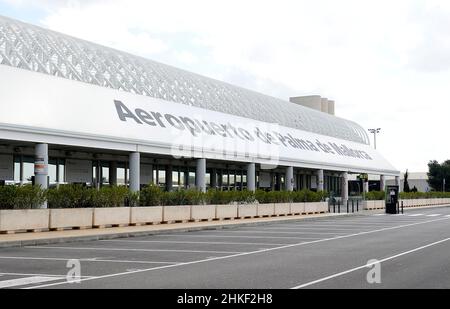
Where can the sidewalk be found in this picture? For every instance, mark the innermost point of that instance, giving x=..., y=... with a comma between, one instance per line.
x=44, y=238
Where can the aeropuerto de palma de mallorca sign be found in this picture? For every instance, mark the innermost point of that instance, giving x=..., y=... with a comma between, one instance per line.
x=60, y=111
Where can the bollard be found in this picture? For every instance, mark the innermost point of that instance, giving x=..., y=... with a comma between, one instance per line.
x=353, y=206
x=402, y=209
x=334, y=207
x=347, y=205
x=357, y=206
x=339, y=207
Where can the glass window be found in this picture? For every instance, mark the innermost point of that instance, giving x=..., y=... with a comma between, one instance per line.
x=175, y=179
x=182, y=180
x=17, y=170
x=105, y=175
x=121, y=176
x=191, y=180
x=28, y=172
x=162, y=178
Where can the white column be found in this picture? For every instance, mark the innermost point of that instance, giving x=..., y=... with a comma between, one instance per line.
x=344, y=188
x=366, y=187
x=41, y=168
x=289, y=179
x=251, y=177
x=200, y=181
x=382, y=183
x=135, y=172
x=320, y=180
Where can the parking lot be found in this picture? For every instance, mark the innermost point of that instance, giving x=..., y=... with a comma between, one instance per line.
x=414, y=251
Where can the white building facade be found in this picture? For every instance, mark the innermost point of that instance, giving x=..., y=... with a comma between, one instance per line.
x=72, y=111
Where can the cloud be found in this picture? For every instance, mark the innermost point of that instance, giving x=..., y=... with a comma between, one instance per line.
x=386, y=63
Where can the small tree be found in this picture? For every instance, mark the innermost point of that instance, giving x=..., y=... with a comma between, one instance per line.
x=406, y=183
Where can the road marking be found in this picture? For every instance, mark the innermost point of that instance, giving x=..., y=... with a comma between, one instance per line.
x=39, y=275
x=81, y=260
x=197, y=242
x=368, y=265
x=416, y=215
x=270, y=232
x=247, y=253
x=447, y=216
x=379, y=215
x=311, y=228
x=434, y=215
x=132, y=249
x=25, y=281
x=237, y=236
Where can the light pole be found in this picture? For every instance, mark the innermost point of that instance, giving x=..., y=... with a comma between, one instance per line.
x=375, y=132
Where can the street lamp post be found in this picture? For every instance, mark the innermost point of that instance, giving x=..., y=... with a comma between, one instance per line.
x=375, y=132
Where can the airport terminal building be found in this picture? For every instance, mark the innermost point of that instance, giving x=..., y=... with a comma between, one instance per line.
x=72, y=111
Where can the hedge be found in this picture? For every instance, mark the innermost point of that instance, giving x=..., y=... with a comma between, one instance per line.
x=76, y=196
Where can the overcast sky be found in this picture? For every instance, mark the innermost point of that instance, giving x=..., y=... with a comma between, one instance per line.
x=385, y=63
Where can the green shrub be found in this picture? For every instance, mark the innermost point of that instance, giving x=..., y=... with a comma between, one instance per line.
x=23, y=197
x=70, y=196
x=375, y=196
x=109, y=197
x=151, y=195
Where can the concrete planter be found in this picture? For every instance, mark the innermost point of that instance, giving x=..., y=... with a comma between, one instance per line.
x=282, y=209
x=203, y=213
x=71, y=218
x=119, y=216
x=247, y=211
x=226, y=212
x=369, y=205
x=317, y=207
x=266, y=210
x=27, y=219
x=146, y=215
x=297, y=208
x=176, y=214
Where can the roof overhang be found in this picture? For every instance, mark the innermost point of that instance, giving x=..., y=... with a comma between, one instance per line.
x=40, y=108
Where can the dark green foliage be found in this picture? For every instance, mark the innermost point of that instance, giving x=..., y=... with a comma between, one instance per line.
x=437, y=173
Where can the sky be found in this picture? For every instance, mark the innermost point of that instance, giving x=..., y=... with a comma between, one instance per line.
x=385, y=63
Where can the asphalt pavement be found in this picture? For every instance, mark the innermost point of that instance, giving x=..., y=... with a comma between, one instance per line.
x=405, y=251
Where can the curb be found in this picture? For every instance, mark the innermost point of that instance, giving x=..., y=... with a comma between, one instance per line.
x=75, y=239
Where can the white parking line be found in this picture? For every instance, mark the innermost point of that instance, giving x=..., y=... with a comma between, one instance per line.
x=248, y=253
x=81, y=260
x=238, y=236
x=311, y=228
x=197, y=242
x=25, y=281
x=274, y=232
x=434, y=215
x=39, y=275
x=132, y=249
x=368, y=265
x=416, y=215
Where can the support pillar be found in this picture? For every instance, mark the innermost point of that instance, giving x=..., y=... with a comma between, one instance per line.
x=200, y=176
x=320, y=180
x=135, y=172
x=289, y=179
x=344, y=188
x=169, y=178
x=382, y=183
x=41, y=168
x=251, y=177
x=113, y=173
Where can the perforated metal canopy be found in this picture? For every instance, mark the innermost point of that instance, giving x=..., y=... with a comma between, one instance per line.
x=37, y=49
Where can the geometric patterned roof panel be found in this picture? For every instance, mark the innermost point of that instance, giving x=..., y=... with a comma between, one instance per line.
x=37, y=49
